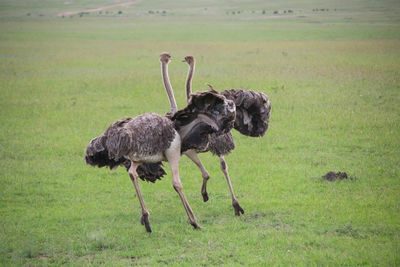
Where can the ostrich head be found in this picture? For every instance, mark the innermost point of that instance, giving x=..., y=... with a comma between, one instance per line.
x=165, y=57
x=189, y=60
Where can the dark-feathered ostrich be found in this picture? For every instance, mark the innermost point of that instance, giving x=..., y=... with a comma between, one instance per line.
x=151, y=138
x=252, y=116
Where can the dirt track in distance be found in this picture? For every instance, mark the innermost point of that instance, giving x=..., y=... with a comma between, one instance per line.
x=125, y=4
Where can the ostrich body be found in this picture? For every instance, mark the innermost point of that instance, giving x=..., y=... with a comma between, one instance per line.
x=252, y=117
x=151, y=138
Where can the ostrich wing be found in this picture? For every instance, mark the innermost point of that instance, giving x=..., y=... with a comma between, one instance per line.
x=206, y=113
x=252, y=111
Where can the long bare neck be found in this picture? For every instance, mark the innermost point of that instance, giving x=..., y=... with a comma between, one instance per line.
x=189, y=81
x=168, y=87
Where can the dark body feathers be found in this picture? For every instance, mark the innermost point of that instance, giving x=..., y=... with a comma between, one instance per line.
x=221, y=144
x=151, y=172
x=252, y=111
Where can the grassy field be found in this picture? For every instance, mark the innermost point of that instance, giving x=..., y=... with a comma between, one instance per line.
x=333, y=77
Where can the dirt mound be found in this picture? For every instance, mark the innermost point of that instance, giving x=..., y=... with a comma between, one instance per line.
x=333, y=176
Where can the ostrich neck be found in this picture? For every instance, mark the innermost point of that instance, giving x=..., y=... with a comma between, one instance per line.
x=168, y=88
x=189, y=81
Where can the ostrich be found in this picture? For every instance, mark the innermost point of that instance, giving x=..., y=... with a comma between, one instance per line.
x=252, y=115
x=151, y=138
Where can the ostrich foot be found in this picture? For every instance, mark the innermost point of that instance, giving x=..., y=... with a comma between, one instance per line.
x=144, y=220
x=196, y=226
x=205, y=196
x=237, y=208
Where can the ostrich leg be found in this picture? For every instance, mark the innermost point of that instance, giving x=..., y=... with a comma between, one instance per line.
x=145, y=213
x=193, y=156
x=173, y=159
x=235, y=203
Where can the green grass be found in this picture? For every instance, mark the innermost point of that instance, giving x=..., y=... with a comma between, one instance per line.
x=334, y=81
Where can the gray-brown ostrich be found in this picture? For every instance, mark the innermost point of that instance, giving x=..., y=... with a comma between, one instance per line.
x=151, y=138
x=252, y=116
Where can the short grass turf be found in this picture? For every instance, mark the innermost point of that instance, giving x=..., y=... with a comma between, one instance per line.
x=333, y=77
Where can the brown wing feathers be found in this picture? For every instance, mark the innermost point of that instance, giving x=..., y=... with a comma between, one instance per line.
x=252, y=111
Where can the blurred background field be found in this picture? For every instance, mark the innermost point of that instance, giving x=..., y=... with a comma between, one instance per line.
x=330, y=68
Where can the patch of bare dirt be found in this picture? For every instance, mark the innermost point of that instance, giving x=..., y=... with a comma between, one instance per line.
x=333, y=176
x=124, y=4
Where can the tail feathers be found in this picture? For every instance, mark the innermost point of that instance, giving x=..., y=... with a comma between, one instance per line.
x=252, y=111
x=97, y=154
